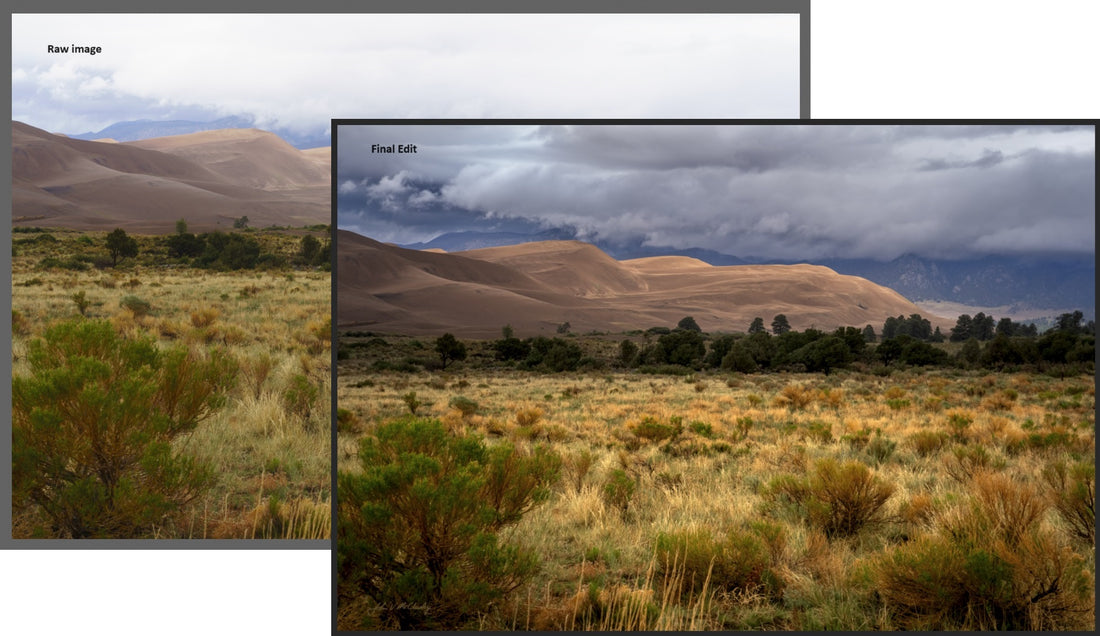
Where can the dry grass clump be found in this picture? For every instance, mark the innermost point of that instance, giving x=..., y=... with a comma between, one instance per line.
x=739, y=560
x=204, y=317
x=927, y=442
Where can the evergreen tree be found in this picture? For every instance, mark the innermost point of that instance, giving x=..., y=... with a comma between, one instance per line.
x=780, y=325
x=121, y=246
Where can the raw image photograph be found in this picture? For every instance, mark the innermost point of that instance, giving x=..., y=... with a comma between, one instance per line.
x=171, y=349
x=171, y=339
x=714, y=377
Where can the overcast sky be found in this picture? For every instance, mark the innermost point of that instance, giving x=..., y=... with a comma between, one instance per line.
x=299, y=71
x=752, y=191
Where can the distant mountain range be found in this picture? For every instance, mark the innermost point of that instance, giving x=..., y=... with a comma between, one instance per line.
x=1022, y=283
x=147, y=128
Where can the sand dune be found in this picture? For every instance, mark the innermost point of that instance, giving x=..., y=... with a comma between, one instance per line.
x=207, y=179
x=244, y=156
x=537, y=286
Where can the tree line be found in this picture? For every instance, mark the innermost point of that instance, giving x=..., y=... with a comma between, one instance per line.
x=905, y=341
x=222, y=251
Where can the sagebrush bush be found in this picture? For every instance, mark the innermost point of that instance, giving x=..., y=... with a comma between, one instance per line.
x=418, y=526
x=93, y=425
x=992, y=564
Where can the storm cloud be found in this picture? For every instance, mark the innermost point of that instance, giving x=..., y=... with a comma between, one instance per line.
x=754, y=191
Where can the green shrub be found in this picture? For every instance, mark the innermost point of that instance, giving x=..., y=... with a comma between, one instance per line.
x=93, y=426
x=410, y=401
x=618, y=490
x=819, y=431
x=958, y=423
x=652, y=430
x=137, y=306
x=464, y=405
x=742, y=559
x=703, y=429
x=81, y=301
x=966, y=460
x=300, y=396
x=418, y=526
x=744, y=425
x=880, y=448
x=927, y=442
x=346, y=421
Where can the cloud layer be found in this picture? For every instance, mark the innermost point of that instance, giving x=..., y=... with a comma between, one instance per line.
x=753, y=191
x=299, y=71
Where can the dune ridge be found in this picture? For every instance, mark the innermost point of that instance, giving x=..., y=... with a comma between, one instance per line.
x=537, y=286
x=208, y=178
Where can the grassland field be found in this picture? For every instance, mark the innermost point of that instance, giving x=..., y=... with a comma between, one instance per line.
x=269, y=445
x=715, y=457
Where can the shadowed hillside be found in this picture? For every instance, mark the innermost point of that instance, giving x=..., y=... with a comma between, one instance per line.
x=208, y=178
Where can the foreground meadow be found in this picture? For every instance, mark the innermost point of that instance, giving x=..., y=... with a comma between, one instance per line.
x=251, y=460
x=904, y=499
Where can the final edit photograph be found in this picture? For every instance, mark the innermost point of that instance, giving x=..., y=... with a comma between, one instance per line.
x=711, y=376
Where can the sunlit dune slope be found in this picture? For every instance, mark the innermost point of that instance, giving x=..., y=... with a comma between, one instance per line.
x=537, y=286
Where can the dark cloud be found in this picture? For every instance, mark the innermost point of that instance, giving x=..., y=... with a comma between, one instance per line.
x=753, y=191
x=988, y=159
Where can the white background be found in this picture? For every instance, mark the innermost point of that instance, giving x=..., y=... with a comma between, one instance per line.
x=871, y=59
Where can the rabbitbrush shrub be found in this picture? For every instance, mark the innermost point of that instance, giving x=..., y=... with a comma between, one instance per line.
x=93, y=426
x=418, y=526
x=839, y=499
x=992, y=564
x=1072, y=491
